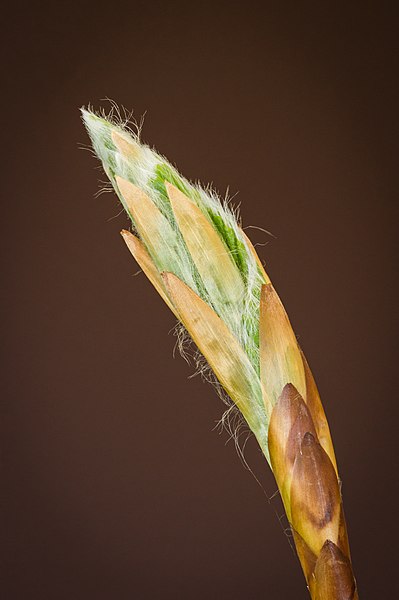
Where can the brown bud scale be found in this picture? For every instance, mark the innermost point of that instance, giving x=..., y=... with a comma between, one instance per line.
x=306, y=475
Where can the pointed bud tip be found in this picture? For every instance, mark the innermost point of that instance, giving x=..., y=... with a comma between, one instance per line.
x=127, y=147
x=169, y=186
x=177, y=198
x=174, y=194
x=269, y=298
x=330, y=548
x=290, y=389
x=129, y=191
x=86, y=114
x=308, y=440
x=128, y=236
x=127, y=188
x=333, y=575
x=267, y=289
x=132, y=242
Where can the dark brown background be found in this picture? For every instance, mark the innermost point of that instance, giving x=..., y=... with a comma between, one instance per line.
x=115, y=484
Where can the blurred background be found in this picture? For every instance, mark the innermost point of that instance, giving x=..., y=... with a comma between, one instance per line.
x=116, y=484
